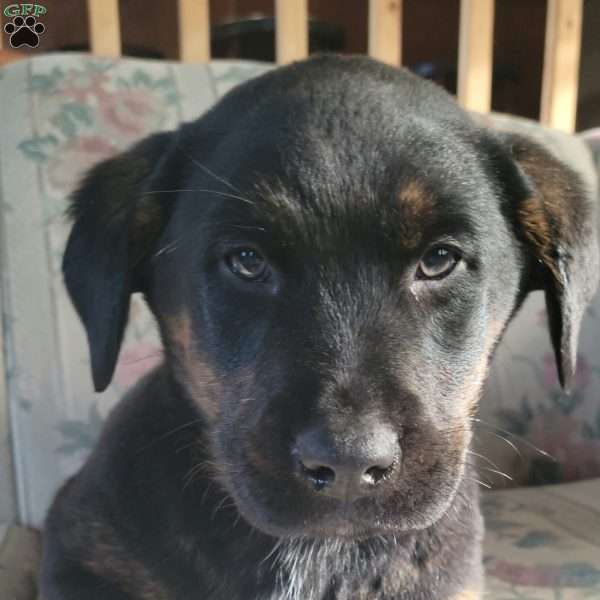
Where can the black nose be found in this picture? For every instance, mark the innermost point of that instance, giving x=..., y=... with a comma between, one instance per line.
x=350, y=465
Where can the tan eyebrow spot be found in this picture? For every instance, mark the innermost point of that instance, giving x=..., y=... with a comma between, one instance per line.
x=414, y=202
x=415, y=196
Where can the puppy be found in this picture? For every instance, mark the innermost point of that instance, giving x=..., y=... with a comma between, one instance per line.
x=332, y=253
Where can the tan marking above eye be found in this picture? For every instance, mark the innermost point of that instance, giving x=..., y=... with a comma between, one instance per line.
x=414, y=202
x=414, y=197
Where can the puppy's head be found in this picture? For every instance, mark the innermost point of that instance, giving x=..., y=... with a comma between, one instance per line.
x=332, y=254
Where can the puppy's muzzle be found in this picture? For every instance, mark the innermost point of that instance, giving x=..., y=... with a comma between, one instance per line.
x=347, y=466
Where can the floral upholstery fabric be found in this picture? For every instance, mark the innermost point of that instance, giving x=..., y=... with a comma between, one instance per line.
x=62, y=114
x=543, y=543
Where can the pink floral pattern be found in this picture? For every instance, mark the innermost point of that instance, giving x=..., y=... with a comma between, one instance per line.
x=136, y=361
x=543, y=543
x=568, y=442
x=91, y=113
x=81, y=152
x=131, y=113
x=583, y=374
x=560, y=435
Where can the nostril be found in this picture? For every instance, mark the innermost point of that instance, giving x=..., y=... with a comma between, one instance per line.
x=374, y=475
x=319, y=476
x=346, y=466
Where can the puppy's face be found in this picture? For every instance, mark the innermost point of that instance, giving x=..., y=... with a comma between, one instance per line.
x=330, y=279
x=329, y=312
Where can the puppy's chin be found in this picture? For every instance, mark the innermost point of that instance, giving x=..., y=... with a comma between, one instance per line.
x=312, y=515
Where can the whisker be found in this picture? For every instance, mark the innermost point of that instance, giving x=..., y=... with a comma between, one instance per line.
x=485, y=485
x=236, y=520
x=192, y=475
x=272, y=552
x=487, y=460
x=513, y=446
x=206, y=491
x=498, y=472
x=223, y=504
x=185, y=447
x=479, y=468
x=204, y=168
x=522, y=440
x=190, y=236
x=171, y=432
x=198, y=190
x=168, y=248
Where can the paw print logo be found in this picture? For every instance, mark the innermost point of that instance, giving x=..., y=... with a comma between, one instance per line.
x=24, y=32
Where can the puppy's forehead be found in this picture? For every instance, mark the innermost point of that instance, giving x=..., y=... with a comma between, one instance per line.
x=348, y=162
x=404, y=179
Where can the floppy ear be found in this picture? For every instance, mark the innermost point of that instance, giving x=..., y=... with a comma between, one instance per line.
x=115, y=227
x=558, y=220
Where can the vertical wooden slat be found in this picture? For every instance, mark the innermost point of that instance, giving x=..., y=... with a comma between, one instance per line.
x=476, y=54
x=385, y=30
x=561, y=63
x=291, y=30
x=194, y=30
x=105, y=33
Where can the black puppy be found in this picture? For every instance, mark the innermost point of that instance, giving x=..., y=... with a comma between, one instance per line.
x=332, y=253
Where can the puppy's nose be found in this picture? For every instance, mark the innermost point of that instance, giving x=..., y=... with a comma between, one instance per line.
x=348, y=466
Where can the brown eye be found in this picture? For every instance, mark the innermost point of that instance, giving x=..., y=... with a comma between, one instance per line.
x=437, y=263
x=247, y=263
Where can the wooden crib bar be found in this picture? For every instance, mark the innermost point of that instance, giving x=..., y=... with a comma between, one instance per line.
x=385, y=31
x=193, y=17
x=475, y=54
x=561, y=63
x=291, y=30
x=476, y=40
x=105, y=33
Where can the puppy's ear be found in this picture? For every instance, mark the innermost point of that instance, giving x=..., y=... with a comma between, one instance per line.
x=557, y=218
x=115, y=227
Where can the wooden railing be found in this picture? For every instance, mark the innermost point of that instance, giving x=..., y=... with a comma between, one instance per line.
x=475, y=61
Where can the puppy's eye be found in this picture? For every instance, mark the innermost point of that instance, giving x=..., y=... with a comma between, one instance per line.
x=247, y=263
x=437, y=263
